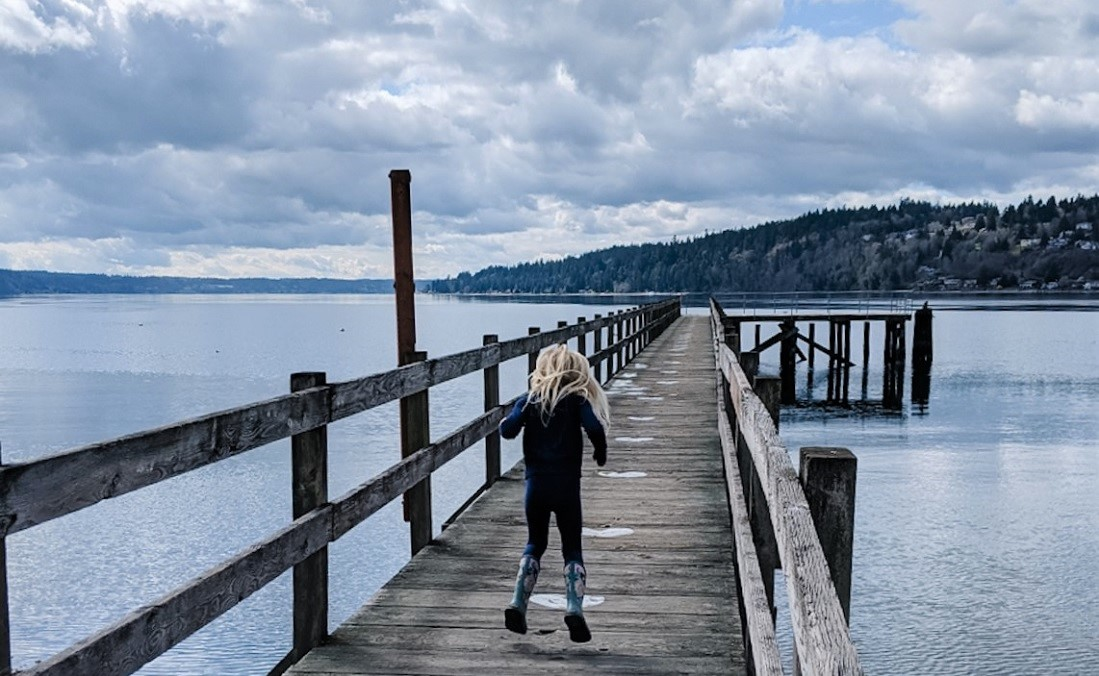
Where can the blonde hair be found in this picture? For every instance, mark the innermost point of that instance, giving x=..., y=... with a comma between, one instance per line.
x=560, y=372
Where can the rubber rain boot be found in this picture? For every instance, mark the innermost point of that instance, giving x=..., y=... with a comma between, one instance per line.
x=575, y=582
x=515, y=615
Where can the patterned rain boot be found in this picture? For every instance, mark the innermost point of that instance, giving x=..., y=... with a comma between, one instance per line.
x=515, y=615
x=575, y=582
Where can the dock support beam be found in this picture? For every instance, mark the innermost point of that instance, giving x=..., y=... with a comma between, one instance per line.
x=788, y=361
x=309, y=482
x=828, y=477
x=492, y=400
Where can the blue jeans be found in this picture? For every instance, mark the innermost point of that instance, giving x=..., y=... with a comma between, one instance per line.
x=558, y=495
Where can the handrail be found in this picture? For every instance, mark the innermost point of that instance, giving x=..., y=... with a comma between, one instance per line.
x=822, y=637
x=39, y=490
x=36, y=491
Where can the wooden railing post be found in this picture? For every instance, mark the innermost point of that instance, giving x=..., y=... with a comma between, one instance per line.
x=582, y=339
x=492, y=400
x=828, y=477
x=416, y=434
x=597, y=348
x=309, y=468
x=5, y=617
x=532, y=357
x=749, y=361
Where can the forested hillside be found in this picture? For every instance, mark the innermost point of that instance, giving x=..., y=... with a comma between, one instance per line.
x=24, y=282
x=1050, y=244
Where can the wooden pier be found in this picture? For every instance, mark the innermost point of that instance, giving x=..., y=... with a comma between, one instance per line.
x=668, y=586
x=696, y=508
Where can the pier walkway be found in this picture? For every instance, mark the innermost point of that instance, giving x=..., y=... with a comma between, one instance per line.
x=657, y=546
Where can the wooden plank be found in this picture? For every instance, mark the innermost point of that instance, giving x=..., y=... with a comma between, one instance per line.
x=669, y=588
x=353, y=507
x=820, y=630
x=39, y=490
x=148, y=632
x=762, y=644
x=309, y=489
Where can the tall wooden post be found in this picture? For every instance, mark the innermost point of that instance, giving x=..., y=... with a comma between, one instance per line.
x=532, y=356
x=758, y=341
x=416, y=434
x=582, y=339
x=788, y=361
x=492, y=400
x=865, y=357
x=309, y=483
x=596, y=349
x=831, y=360
x=5, y=616
x=812, y=342
x=828, y=477
x=749, y=361
x=922, y=342
x=846, y=360
x=769, y=391
x=413, y=408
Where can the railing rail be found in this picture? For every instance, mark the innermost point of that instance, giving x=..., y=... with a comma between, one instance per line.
x=37, y=491
x=827, y=302
x=748, y=430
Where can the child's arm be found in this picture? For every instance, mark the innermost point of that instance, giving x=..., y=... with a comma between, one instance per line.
x=595, y=431
x=513, y=423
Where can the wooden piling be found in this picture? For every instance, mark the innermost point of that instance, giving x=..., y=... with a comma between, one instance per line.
x=598, y=347
x=846, y=360
x=828, y=477
x=831, y=360
x=922, y=342
x=416, y=434
x=492, y=400
x=812, y=342
x=309, y=482
x=788, y=362
x=758, y=328
x=532, y=358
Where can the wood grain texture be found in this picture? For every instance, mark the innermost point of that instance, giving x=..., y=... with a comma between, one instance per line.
x=821, y=634
x=759, y=624
x=39, y=490
x=669, y=586
x=151, y=630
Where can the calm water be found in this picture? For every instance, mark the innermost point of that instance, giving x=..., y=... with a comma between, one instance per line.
x=977, y=519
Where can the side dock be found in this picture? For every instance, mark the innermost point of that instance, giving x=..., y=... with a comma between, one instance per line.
x=661, y=576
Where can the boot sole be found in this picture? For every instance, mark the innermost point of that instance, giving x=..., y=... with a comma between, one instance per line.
x=515, y=620
x=578, y=628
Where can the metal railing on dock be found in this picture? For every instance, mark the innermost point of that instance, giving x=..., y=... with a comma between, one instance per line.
x=34, y=492
x=803, y=525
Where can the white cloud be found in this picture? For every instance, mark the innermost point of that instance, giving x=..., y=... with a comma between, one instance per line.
x=233, y=136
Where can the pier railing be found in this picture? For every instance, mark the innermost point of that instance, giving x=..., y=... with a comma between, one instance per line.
x=802, y=525
x=34, y=492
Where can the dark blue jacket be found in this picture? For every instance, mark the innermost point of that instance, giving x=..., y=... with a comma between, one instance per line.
x=554, y=446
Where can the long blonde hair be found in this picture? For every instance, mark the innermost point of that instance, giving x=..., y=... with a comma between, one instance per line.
x=560, y=372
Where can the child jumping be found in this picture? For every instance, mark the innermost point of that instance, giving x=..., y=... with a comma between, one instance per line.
x=563, y=399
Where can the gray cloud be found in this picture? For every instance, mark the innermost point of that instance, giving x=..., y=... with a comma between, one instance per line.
x=232, y=137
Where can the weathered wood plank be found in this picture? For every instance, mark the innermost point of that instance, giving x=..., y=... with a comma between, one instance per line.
x=820, y=631
x=39, y=490
x=669, y=587
x=762, y=645
x=151, y=630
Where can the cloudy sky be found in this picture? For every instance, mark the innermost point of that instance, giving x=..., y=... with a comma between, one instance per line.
x=255, y=137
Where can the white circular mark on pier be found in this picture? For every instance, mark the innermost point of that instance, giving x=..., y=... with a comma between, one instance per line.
x=641, y=418
x=651, y=398
x=627, y=375
x=606, y=532
x=624, y=475
x=641, y=366
x=675, y=362
x=632, y=440
x=667, y=382
x=558, y=602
